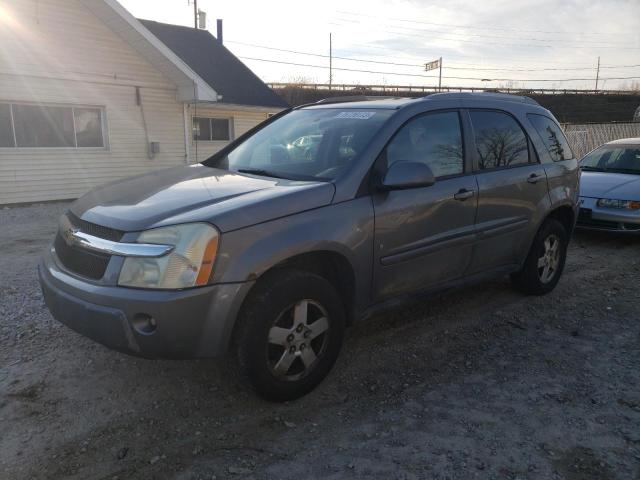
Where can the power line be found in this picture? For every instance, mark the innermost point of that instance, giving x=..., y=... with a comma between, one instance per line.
x=462, y=55
x=526, y=45
x=335, y=68
x=297, y=52
x=541, y=69
x=428, y=76
x=580, y=43
x=518, y=30
x=326, y=56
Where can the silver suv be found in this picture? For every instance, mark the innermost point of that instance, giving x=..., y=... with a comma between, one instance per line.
x=320, y=216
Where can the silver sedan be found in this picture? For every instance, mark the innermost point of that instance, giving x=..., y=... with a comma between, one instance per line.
x=610, y=187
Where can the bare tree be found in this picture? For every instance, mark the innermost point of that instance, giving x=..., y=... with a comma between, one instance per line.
x=499, y=147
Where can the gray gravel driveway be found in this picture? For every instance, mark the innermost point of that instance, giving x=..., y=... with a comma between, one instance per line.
x=481, y=383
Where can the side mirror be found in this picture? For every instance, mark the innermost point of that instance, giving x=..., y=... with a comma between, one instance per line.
x=403, y=175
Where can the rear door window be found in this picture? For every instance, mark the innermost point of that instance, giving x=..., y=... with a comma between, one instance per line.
x=552, y=137
x=500, y=141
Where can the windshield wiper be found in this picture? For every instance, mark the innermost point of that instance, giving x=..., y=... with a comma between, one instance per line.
x=592, y=169
x=296, y=177
x=262, y=173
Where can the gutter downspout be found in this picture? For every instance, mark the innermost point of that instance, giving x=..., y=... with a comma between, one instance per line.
x=150, y=154
x=187, y=137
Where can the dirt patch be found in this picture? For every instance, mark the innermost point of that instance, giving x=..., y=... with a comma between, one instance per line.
x=477, y=383
x=582, y=463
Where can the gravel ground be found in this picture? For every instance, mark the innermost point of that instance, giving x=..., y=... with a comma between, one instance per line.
x=478, y=383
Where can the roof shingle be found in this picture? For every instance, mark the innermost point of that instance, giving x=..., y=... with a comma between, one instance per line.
x=216, y=65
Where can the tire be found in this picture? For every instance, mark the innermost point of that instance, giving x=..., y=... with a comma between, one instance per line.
x=542, y=269
x=289, y=333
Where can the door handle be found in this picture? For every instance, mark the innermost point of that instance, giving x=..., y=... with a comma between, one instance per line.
x=533, y=178
x=463, y=194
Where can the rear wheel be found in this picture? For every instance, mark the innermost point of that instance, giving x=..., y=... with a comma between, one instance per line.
x=290, y=333
x=544, y=264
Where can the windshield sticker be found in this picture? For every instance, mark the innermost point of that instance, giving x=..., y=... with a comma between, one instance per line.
x=356, y=115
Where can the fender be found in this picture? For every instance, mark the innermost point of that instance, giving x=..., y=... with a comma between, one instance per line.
x=246, y=254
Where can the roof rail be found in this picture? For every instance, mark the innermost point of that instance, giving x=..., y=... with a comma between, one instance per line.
x=496, y=95
x=353, y=98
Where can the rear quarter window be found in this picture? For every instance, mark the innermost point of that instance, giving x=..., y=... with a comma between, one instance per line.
x=552, y=137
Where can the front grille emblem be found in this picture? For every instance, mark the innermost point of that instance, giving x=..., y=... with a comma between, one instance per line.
x=68, y=231
x=69, y=235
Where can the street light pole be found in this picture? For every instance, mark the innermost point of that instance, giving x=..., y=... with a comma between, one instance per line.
x=440, y=76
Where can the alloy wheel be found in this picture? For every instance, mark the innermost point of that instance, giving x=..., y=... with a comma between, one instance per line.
x=549, y=262
x=297, y=339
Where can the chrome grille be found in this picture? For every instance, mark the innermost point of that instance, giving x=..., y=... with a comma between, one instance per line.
x=80, y=261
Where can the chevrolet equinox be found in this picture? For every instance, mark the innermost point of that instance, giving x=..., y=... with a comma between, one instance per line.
x=320, y=215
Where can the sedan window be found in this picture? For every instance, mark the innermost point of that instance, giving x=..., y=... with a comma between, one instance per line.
x=613, y=158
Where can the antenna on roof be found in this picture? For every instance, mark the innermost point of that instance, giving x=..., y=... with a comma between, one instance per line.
x=195, y=12
x=202, y=19
x=199, y=16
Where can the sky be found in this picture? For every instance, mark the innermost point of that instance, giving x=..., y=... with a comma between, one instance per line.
x=487, y=43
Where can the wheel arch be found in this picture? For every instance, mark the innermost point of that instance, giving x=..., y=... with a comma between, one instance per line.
x=329, y=264
x=566, y=215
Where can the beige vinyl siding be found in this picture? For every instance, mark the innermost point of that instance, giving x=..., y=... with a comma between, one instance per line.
x=242, y=120
x=48, y=44
x=35, y=174
x=63, y=39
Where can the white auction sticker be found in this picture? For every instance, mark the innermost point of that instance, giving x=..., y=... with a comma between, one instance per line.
x=356, y=115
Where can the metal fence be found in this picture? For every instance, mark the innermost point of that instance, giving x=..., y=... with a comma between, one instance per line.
x=408, y=90
x=585, y=137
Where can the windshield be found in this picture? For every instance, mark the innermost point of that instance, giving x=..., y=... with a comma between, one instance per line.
x=613, y=158
x=307, y=144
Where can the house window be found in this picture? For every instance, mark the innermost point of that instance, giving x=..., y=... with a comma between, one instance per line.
x=47, y=126
x=211, y=129
x=6, y=130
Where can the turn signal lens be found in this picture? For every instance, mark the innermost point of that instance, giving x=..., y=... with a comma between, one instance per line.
x=206, y=267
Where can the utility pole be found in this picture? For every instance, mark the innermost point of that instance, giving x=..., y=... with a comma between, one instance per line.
x=440, y=76
x=597, y=74
x=330, y=62
x=195, y=14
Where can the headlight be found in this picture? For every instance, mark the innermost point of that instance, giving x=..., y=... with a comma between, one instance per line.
x=189, y=264
x=610, y=203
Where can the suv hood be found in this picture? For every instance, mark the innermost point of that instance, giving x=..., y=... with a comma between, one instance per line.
x=618, y=186
x=196, y=193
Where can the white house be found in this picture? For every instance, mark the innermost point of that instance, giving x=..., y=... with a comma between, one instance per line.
x=89, y=94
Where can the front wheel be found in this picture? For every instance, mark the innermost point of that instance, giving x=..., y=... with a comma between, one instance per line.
x=290, y=333
x=544, y=264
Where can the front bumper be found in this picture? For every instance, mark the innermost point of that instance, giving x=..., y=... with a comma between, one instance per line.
x=592, y=217
x=191, y=323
